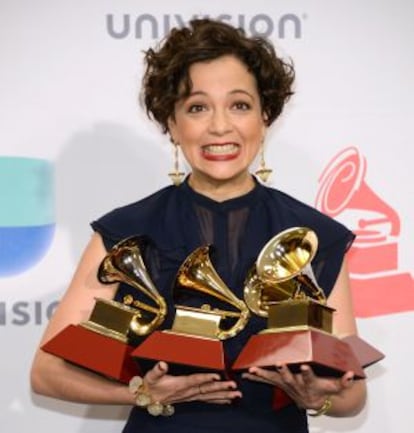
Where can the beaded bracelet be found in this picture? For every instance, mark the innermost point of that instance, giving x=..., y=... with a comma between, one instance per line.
x=327, y=404
x=143, y=399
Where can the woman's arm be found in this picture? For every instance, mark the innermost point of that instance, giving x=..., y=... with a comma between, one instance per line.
x=52, y=376
x=351, y=400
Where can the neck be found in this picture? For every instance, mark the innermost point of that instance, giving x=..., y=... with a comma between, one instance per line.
x=219, y=190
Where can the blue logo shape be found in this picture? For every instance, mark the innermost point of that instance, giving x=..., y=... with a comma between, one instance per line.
x=27, y=221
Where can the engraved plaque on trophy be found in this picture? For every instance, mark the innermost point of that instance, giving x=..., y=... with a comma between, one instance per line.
x=195, y=340
x=104, y=342
x=282, y=287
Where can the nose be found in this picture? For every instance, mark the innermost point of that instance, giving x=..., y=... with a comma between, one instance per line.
x=220, y=122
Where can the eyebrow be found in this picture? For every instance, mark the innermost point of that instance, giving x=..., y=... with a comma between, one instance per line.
x=233, y=92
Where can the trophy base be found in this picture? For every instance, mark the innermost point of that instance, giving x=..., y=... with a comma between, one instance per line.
x=182, y=352
x=364, y=352
x=325, y=353
x=93, y=351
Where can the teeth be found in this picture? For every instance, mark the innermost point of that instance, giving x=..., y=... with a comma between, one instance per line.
x=220, y=149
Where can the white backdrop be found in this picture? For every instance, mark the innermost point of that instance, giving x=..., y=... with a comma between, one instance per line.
x=69, y=80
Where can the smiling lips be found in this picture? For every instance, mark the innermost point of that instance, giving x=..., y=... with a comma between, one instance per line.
x=221, y=152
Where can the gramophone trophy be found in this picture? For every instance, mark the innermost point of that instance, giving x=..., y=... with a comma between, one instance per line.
x=195, y=340
x=104, y=343
x=282, y=288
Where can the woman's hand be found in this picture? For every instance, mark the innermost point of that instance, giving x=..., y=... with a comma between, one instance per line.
x=310, y=391
x=305, y=388
x=208, y=387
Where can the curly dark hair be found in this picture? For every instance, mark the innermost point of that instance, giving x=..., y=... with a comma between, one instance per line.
x=166, y=79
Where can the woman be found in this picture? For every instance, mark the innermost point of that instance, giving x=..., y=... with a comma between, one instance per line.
x=215, y=92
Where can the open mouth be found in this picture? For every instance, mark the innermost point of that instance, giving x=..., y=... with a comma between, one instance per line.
x=221, y=152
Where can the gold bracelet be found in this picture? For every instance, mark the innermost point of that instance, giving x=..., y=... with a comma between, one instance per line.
x=143, y=399
x=327, y=404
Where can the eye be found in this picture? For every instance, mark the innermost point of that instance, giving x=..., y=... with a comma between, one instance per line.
x=241, y=105
x=196, y=108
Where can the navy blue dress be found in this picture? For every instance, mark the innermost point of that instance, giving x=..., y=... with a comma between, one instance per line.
x=177, y=220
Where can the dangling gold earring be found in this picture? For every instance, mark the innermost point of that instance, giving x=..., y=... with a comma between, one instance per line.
x=176, y=175
x=263, y=172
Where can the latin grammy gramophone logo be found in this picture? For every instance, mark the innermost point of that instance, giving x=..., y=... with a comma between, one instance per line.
x=378, y=285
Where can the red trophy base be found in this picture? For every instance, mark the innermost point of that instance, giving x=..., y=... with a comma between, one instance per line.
x=95, y=352
x=327, y=354
x=364, y=352
x=183, y=350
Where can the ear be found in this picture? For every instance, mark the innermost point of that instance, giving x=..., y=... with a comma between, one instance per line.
x=265, y=119
x=265, y=125
x=172, y=129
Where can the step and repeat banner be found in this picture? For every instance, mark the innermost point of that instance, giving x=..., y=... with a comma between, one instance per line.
x=74, y=143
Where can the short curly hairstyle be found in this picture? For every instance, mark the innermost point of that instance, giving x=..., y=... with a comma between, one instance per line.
x=166, y=78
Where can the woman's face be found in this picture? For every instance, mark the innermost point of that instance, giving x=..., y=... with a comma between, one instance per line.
x=220, y=125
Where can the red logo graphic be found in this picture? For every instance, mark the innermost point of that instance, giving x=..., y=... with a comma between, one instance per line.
x=378, y=287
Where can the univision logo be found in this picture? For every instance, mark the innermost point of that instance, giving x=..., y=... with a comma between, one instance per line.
x=27, y=221
x=288, y=25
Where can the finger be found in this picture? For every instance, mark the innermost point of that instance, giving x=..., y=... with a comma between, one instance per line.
x=220, y=395
x=220, y=401
x=215, y=387
x=202, y=387
x=257, y=378
x=209, y=391
x=195, y=380
x=300, y=382
x=269, y=375
x=156, y=373
x=307, y=375
x=347, y=380
x=285, y=374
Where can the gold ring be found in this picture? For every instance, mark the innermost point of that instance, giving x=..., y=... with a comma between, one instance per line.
x=327, y=404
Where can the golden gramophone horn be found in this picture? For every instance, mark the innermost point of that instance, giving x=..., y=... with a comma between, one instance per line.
x=283, y=271
x=124, y=263
x=197, y=273
x=258, y=294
